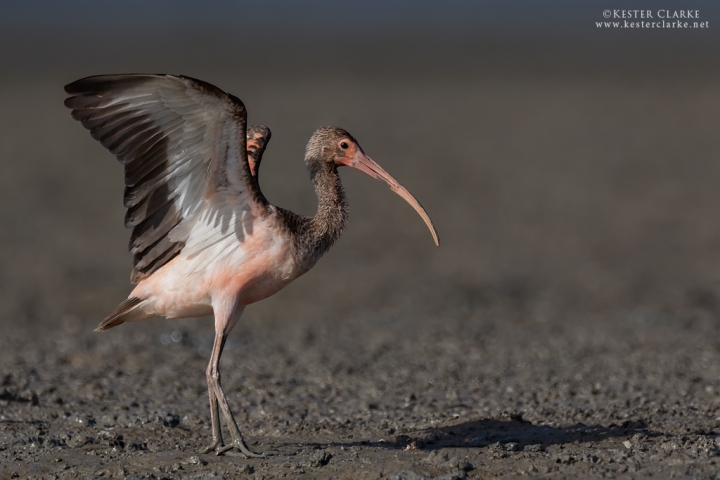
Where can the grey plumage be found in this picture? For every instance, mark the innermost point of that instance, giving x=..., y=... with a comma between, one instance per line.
x=160, y=128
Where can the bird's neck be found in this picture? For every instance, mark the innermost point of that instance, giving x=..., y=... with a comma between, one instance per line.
x=313, y=236
x=329, y=222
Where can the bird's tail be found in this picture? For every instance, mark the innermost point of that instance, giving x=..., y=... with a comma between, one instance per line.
x=121, y=314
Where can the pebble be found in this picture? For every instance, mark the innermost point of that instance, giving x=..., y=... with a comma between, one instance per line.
x=408, y=475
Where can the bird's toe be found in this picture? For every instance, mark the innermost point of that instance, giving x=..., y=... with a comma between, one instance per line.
x=214, y=447
x=242, y=448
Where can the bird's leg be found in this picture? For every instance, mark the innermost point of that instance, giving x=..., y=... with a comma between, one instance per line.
x=227, y=313
x=238, y=441
x=217, y=441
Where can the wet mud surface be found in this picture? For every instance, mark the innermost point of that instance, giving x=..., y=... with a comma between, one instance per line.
x=567, y=327
x=475, y=396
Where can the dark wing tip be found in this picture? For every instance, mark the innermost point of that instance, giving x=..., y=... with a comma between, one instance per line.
x=98, y=83
x=259, y=131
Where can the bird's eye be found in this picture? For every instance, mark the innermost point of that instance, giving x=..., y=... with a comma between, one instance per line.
x=344, y=145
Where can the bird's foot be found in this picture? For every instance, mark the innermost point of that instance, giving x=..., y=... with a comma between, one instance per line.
x=214, y=447
x=242, y=448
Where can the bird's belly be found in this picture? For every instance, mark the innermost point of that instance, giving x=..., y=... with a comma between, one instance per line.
x=175, y=291
x=187, y=286
x=255, y=278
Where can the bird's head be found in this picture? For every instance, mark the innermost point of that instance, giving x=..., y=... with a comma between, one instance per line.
x=335, y=147
x=331, y=145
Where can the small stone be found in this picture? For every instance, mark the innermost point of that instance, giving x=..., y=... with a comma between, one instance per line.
x=320, y=457
x=124, y=420
x=107, y=421
x=564, y=458
x=512, y=446
x=405, y=475
x=117, y=443
x=461, y=475
x=78, y=441
x=194, y=460
x=627, y=444
x=137, y=476
x=170, y=420
x=79, y=419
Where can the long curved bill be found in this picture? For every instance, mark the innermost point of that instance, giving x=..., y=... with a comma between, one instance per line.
x=366, y=165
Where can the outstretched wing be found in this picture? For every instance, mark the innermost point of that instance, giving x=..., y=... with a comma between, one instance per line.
x=183, y=145
x=258, y=137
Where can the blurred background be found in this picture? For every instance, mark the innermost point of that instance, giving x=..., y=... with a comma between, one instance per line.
x=564, y=164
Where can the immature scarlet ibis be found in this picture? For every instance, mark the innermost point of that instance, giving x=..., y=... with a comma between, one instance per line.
x=205, y=241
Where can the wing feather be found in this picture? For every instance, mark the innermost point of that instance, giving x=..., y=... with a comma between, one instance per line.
x=183, y=145
x=258, y=137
